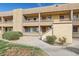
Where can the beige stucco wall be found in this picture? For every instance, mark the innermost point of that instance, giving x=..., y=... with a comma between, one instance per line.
x=52, y=8
x=59, y=29
x=55, y=18
x=17, y=20
x=60, y=7
x=63, y=30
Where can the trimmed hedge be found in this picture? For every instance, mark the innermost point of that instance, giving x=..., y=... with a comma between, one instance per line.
x=12, y=35
x=51, y=39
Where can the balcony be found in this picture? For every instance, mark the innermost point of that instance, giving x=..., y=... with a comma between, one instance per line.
x=36, y=22
x=46, y=22
x=8, y=22
x=30, y=22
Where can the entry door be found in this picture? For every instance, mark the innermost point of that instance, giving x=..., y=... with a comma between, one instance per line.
x=7, y=29
x=43, y=29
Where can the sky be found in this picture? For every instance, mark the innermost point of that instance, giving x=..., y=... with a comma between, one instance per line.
x=11, y=6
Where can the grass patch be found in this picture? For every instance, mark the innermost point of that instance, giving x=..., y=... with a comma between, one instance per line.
x=10, y=49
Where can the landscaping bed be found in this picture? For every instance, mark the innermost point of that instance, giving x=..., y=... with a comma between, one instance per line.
x=10, y=49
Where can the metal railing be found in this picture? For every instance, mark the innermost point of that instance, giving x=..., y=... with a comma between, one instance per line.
x=8, y=22
x=76, y=19
x=36, y=21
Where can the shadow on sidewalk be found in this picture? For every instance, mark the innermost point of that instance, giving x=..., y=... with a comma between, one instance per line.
x=73, y=49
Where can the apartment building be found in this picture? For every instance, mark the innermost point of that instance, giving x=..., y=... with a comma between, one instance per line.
x=60, y=20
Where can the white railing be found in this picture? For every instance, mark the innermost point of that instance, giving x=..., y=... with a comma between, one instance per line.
x=37, y=20
x=76, y=19
x=30, y=20
x=8, y=21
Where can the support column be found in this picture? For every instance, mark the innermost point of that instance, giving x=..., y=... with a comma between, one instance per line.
x=2, y=30
x=2, y=19
x=39, y=24
x=71, y=15
x=17, y=20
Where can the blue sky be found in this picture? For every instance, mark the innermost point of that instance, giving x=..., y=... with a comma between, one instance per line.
x=11, y=6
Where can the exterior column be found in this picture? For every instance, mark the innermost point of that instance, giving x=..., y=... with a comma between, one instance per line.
x=17, y=20
x=39, y=24
x=2, y=19
x=71, y=15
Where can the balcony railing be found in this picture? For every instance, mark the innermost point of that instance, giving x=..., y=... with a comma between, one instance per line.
x=37, y=21
x=30, y=21
x=76, y=19
x=46, y=20
x=7, y=21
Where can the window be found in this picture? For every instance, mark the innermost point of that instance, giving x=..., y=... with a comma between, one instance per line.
x=0, y=19
x=8, y=29
x=75, y=29
x=30, y=29
x=6, y=20
x=61, y=17
x=34, y=29
x=28, y=19
x=49, y=17
x=27, y=29
x=0, y=28
x=76, y=17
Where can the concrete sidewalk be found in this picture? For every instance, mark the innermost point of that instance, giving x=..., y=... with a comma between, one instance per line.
x=49, y=49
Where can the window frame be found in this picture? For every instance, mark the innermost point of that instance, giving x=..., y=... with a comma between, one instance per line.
x=62, y=18
x=75, y=28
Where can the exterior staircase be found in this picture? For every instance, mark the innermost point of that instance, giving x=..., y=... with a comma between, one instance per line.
x=47, y=33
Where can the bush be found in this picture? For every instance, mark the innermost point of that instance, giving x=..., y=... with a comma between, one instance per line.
x=20, y=34
x=12, y=35
x=51, y=39
x=62, y=41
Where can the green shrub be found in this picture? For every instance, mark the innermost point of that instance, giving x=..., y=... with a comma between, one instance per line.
x=51, y=39
x=20, y=34
x=62, y=40
x=12, y=35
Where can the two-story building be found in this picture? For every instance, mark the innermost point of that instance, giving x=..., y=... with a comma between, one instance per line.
x=60, y=20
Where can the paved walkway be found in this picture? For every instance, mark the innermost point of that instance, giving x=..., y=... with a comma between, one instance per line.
x=75, y=43
x=51, y=50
